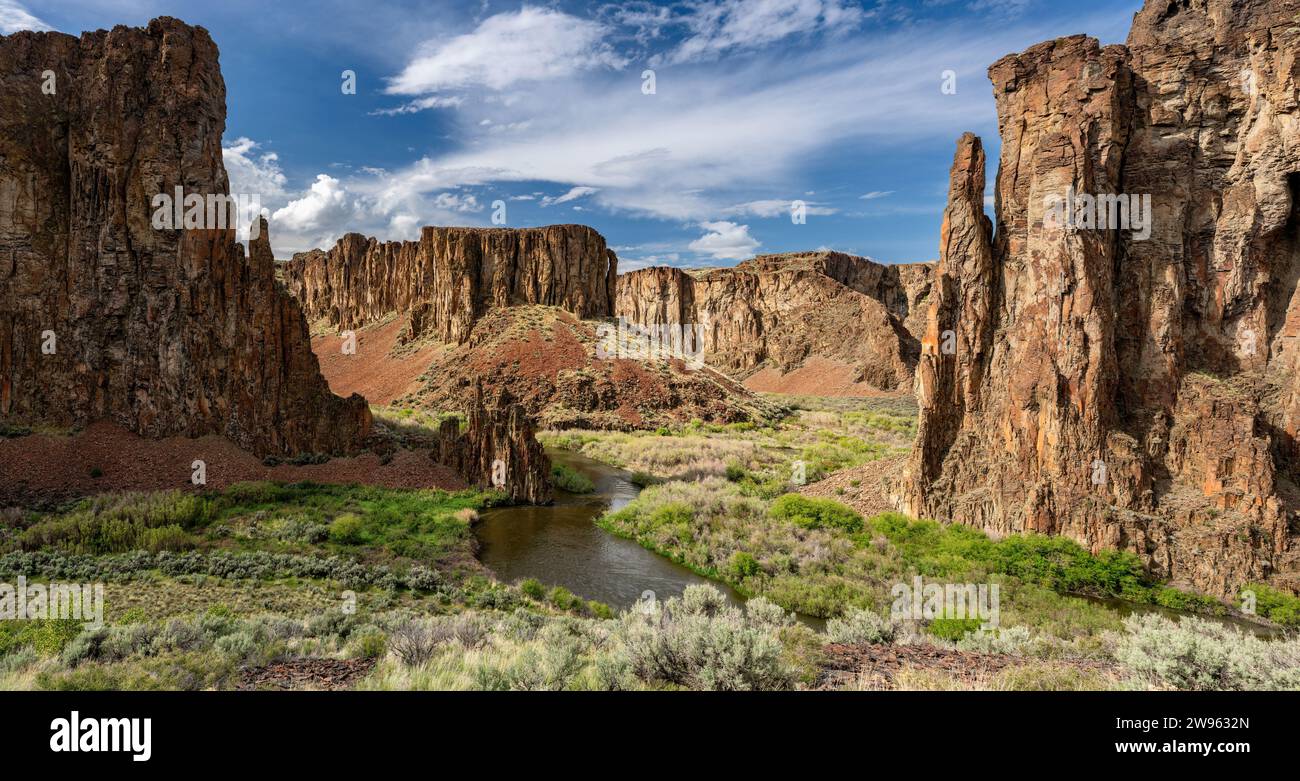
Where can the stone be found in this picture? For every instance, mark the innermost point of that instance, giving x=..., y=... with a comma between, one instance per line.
x=1129, y=392
x=165, y=332
x=777, y=311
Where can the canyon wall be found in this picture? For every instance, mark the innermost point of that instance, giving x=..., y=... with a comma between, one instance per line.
x=779, y=310
x=449, y=278
x=1129, y=391
x=101, y=314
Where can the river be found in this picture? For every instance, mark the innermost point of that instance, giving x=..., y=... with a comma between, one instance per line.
x=561, y=545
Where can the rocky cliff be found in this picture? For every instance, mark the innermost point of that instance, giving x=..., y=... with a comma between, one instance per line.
x=101, y=314
x=449, y=278
x=1129, y=386
x=497, y=448
x=778, y=311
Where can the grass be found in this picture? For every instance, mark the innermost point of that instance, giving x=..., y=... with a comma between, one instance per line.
x=571, y=480
x=820, y=558
x=825, y=438
x=715, y=529
x=419, y=526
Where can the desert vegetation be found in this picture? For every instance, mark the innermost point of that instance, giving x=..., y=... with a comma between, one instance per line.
x=270, y=585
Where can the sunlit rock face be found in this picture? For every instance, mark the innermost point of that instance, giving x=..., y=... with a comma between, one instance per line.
x=778, y=311
x=451, y=277
x=1129, y=386
x=103, y=315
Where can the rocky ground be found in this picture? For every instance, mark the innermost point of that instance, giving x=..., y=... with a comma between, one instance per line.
x=42, y=468
x=882, y=666
x=546, y=358
x=310, y=674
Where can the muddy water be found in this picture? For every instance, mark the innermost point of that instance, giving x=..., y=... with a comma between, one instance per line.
x=561, y=545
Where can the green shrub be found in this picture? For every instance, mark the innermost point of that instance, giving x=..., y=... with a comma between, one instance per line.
x=860, y=626
x=47, y=637
x=953, y=628
x=563, y=599
x=533, y=588
x=1275, y=605
x=700, y=642
x=346, y=529
x=1200, y=655
x=742, y=565
x=116, y=523
x=571, y=480
x=369, y=645
x=813, y=513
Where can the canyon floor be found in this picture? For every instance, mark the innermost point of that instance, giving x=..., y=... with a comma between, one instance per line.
x=282, y=581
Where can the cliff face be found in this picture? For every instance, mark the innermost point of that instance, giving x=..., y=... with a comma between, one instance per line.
x=102, y=315
x=1127, y=390
x=777, y=311
x=451, y=276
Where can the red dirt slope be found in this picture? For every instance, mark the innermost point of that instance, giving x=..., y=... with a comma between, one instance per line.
x=50, y=466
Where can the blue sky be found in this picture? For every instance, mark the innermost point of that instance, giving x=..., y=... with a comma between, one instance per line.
x=757, y=103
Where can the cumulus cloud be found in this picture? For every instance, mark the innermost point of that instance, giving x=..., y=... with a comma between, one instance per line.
x=370, y=201
x=529, y=45
x=253, y=172
x=324, y=204
x=14, y=17
x=725, y=241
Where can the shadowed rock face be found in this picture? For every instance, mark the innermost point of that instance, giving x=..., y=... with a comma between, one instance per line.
x=449, y=278
x=498, y=447
x=163, y=331
x=780, y=310
x=1130, y=393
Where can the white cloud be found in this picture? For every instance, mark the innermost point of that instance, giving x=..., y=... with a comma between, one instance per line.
x=532, y=44
x=14, y=17
x=420, y=104
x=725, y=241
x=719, y=27
x=251, y=172
x=457, y=202
x=766, y=121
x=326, y=203
x=775, y=207
x=572, y=195
x=874, y=194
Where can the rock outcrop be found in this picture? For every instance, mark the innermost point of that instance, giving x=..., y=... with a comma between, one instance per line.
x=778, y=311
x=104, y=316
x=1130, y=391
x=550, y=364
x=519, y=310
x=497, y=448
x=449, y=278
